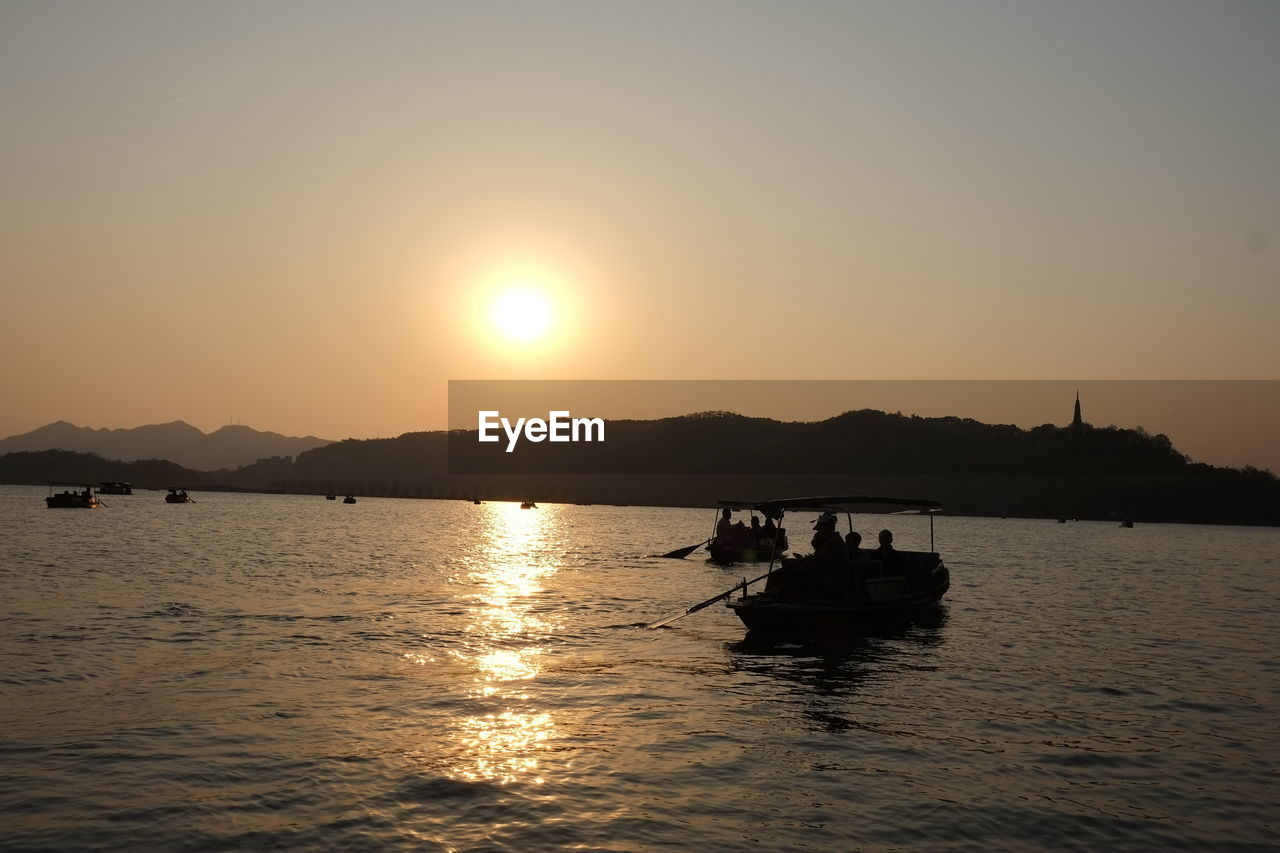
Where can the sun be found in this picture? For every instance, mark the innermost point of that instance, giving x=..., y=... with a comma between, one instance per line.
x=522, y=314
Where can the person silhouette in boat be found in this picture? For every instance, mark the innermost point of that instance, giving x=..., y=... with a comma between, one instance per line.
x=724, y=527
x=888, y=556
x=729, y=532
x=820, y=575
x=756, y=531
x=853, y=542
x=828, y=548
x=886, y=549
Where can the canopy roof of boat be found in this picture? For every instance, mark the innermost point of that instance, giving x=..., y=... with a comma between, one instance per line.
x=839, y=503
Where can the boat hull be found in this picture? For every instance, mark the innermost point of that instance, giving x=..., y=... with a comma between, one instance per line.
x=71, y=502
x=745, y=553
x=878, y=601
x=765, y=615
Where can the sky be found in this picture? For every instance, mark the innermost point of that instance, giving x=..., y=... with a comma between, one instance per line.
x=303, y=216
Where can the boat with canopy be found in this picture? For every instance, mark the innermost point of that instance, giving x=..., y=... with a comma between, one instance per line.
x=807, y=595
x=739, y=543
x=81, y=498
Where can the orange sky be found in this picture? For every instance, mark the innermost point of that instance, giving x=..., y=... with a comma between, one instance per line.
x=298, y=215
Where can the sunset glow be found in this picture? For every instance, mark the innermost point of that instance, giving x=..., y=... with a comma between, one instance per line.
x=555, y=424
x=438, y=192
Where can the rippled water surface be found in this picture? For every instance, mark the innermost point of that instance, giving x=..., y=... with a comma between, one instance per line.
x=277, y=672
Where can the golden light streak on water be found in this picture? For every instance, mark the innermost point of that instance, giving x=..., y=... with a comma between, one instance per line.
x=508, y=573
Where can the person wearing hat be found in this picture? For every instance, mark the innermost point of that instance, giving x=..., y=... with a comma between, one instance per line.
x=823, y=526
x=822, y=574
x=829, y=548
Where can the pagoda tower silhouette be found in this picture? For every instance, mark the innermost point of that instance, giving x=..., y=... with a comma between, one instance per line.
x=1076, y=421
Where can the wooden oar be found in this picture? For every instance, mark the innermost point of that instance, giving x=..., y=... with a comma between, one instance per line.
x=710, y=601
x=681, y=553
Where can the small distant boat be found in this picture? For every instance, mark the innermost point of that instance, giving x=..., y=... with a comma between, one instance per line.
x=115, y=488
x=66, y=499
x=1062, y=519
x=178, y=496
x=869, y=591
x=476, y=501
x=1128, y=522
x=331, y=497
x=349, y=499
x=528, y=505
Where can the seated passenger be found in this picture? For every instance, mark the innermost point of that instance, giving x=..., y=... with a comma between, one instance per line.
x=730, y=532
x=886, y=544
x=886, y=553
x=853, y=541
x=828, y=548
x=724, y=527
x=822, y=575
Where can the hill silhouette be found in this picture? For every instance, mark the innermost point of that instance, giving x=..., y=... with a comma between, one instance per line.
x=857, y=442
x=68, y=466
x=228, y=447
x=693, y=460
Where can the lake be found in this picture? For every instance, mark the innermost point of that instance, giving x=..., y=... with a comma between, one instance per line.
x=264, y=672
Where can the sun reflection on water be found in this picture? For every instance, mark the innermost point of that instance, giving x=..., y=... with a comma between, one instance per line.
x=503, y=747
x=513, y=559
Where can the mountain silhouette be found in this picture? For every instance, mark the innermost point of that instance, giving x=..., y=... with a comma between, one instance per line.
x=972, y=467
x=178, y=442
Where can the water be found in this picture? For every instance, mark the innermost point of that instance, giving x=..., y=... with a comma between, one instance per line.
x=256, y=672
